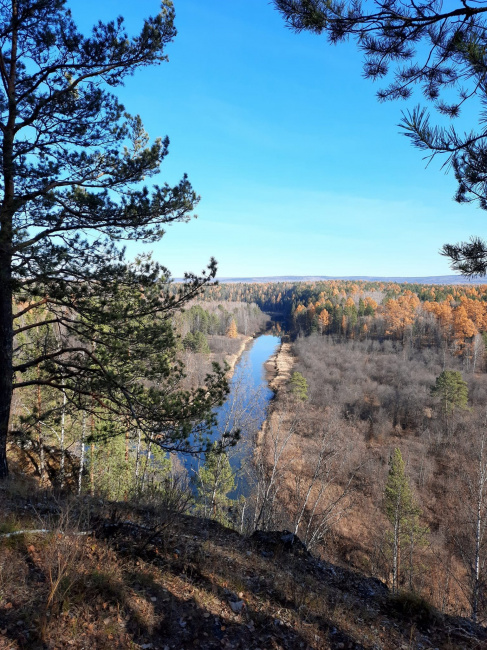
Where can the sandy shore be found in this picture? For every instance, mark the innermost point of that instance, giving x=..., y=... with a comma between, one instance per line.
x=278, y=370
x=232, y=359
x=279, y=367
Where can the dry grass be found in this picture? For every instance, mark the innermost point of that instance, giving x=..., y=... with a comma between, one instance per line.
x=64, y=590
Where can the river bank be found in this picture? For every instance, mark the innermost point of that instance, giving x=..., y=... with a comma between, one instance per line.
x=278, y=367
x=245, y=406
x=278, y=370
x=232, y=359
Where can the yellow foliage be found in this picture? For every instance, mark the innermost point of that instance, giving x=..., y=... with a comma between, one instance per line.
x=232, y=332
x=323, y=320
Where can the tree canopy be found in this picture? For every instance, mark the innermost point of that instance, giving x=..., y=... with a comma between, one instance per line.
x=299, y=386
x=452, y=390
x=74, y=168
x=401, y=510
x=440, y=50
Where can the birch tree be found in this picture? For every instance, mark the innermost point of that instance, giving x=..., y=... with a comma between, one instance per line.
x=471, y=536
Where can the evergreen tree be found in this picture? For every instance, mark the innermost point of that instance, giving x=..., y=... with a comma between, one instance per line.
x=68, y=195
x=201, y=343
x=299, y=386
x=452, y=391
x=402, y=512
x=214, y=481
x=438, y=47
x=112, y=466
x=196, y=343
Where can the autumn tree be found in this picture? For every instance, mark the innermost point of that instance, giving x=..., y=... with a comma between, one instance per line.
x=232, y=330
x=323, y=320
x=399, y=314
x=319, y=500
x=444, y=315
x=463, y=327
x=437, y=47
x=73, y=168
x=351, y=313
x=300, y=317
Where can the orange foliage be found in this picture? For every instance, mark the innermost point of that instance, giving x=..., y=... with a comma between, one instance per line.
x=399, y=313
x=323, y=320
x=370, y=302
x=463, y=326
x=232, y=330
x=475, y=311
x=444, y=315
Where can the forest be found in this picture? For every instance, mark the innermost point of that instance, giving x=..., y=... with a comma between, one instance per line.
x=392, y=385
x=385, y=400
x=89, y=446
x=160, y=486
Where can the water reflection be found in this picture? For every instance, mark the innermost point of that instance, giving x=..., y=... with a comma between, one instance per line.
x=245, y=407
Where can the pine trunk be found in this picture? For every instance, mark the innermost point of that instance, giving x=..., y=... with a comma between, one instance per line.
x=6, y=239
x=6, y=345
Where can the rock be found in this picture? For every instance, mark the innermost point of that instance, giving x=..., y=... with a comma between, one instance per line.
x=237, y=606
x=283, y=540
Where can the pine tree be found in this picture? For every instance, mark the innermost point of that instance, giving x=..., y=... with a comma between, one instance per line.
x=452, y=391
x=438, y=47
x=214, y=481
x=68, y=195
x=299, y=386
x=402, y=512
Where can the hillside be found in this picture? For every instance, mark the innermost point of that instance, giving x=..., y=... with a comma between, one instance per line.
x=434, y=279
x=146, y=578
x=150, y=571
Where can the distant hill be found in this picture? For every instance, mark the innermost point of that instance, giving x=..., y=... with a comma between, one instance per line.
x=434, y=279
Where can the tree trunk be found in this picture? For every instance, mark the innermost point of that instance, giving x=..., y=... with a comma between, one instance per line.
x=147, y=459
x=395, y=554
x=6, y=345
x=92, y=469
x=40, y=437
x=481, y=483
x=92, y=454
x=63, y=451
x=82, y=453
x=137, y=458
x=6, y=239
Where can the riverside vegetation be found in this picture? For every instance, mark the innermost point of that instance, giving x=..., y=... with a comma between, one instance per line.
x=387, y=371
x=373, y=454
x=110, y=374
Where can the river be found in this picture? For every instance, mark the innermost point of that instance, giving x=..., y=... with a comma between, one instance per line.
x=245, y=407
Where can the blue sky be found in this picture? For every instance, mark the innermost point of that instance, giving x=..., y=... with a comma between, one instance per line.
x=300, y=170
